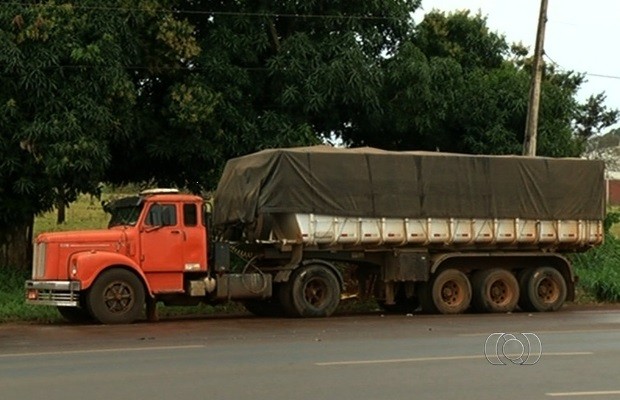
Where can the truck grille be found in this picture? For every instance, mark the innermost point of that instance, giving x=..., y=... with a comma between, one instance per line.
x=57, y=298
x=38, y=260
x=53, y=293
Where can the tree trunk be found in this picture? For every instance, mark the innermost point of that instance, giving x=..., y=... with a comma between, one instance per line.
x=16, y=246
x=60, y=206
x=61, y=216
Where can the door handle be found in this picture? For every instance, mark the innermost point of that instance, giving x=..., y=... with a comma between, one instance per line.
x=177, y=232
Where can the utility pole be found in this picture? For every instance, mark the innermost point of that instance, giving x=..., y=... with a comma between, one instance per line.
x=531, y=123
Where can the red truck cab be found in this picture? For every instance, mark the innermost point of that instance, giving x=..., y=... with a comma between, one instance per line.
x=152, y=242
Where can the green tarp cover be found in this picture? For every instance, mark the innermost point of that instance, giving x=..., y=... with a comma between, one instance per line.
x=368, y=182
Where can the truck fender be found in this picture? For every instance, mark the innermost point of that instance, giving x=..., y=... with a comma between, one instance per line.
x=330, y=266
x=89, y=265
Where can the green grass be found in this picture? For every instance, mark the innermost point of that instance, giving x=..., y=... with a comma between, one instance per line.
x=614, y=228
x=85, y=213
x=12, y=304
x=599, y=271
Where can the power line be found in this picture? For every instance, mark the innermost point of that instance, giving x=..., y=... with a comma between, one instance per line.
x=212, y=67
x=178, y=67
x=585, y=73
x=603, y=76
x=551, y=59
x=212, y=13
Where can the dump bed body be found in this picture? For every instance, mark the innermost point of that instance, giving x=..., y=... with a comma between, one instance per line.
x=368, y=197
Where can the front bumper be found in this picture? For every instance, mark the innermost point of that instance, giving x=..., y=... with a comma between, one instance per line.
x=53, y=293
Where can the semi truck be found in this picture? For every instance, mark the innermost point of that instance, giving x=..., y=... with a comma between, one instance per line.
x=290, y=231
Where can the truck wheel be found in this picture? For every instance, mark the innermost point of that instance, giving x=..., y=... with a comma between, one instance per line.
x=495, y=290
x=78, y=315
x=312, y=291
x=542, y=289
x=116, y=297
x=449, y=292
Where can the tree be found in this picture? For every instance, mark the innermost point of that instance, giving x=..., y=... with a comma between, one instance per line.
x=67, y=93
x=455, y=86
x=269, y=74
x=166, y=90
x=593, y=116
x=463, y=37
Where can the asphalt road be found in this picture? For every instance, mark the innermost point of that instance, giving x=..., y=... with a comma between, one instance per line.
x=357, y=357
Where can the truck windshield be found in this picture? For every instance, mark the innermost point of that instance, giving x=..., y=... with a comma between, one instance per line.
x=125, y=211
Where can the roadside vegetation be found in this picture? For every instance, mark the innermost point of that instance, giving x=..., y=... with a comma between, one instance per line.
x=12, y=305
x=598, y=270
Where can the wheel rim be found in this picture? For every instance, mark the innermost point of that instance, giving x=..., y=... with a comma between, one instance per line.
x=548, y=290
x=452, y=293
x=118, y=297
x=500, y=293
x=316, y=292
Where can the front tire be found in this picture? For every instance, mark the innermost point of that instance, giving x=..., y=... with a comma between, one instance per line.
x=116, y=297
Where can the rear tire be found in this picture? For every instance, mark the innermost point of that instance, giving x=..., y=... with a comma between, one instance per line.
x=312, y=291
x=449, y=292
x=116, y=297
x=542, y=289
x=495, y=290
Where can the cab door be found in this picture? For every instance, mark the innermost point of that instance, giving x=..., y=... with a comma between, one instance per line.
x=162, y=242
x=195, y=249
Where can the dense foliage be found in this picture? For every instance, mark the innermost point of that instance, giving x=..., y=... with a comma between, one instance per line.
x=455, y=86
x=267, y=75
x=598, y=271
x=165, y=91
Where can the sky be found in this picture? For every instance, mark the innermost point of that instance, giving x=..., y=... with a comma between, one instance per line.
x=580, y=36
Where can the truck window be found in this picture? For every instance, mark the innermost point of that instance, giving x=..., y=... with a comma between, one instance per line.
x=162, y=215
x=125, y=211
x=190, y=215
